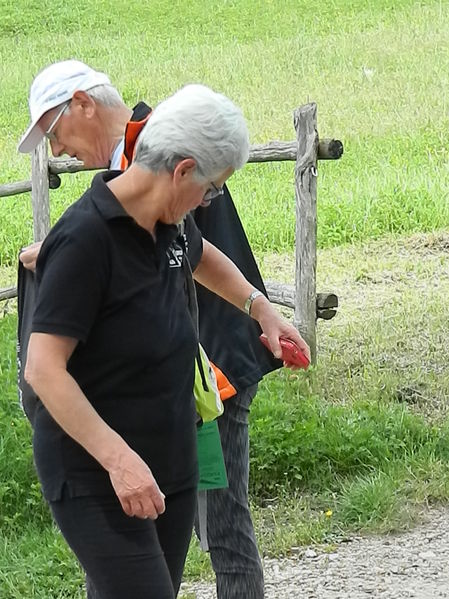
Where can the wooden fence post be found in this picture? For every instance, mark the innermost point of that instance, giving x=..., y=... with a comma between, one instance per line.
x=306, y=223
x=39, y=191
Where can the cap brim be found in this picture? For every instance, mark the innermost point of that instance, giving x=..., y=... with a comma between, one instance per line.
x=32, y=136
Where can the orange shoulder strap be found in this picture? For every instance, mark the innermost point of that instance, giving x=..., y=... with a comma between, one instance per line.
x=132, y=132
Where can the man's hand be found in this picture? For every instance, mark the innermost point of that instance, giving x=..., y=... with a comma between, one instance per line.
x=136, y=488
x=28, y=255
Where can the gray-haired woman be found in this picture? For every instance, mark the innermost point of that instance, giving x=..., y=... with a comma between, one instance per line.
x=112, y=351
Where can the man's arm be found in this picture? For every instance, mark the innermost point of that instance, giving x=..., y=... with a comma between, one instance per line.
x=46, y=372
x=220, y=275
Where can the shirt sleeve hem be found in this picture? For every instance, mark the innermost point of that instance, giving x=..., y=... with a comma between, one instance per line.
x=60, y=329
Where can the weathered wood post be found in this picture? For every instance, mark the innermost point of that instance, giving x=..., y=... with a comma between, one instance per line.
x=39, y=191
x=306, y=223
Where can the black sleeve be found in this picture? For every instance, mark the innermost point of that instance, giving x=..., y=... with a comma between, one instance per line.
x=72, y=276
x=194, y=241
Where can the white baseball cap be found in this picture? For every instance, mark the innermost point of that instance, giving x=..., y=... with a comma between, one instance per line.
x=53, y=86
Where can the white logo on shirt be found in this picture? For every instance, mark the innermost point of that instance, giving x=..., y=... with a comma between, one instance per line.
x=175, y=255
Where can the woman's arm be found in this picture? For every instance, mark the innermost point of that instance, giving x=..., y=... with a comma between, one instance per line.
x=220, y=275
x=46, y=372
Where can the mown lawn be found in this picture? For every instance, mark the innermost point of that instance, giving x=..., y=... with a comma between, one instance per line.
x=378, y=71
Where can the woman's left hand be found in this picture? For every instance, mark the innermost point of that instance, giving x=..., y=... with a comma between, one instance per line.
x=275, y=326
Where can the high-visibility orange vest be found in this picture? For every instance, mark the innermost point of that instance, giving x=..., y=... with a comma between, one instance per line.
x=224, y=386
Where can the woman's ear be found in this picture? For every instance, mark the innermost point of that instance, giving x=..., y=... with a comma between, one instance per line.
x=184, y=170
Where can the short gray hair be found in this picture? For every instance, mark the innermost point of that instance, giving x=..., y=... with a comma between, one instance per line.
x=197, y=123
x=106, y=95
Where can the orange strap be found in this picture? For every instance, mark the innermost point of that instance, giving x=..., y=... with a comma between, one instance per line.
x=132, y=132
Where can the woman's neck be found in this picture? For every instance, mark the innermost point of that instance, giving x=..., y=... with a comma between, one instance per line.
x=140, y=192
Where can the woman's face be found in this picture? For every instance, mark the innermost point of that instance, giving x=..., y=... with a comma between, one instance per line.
x=189, y=193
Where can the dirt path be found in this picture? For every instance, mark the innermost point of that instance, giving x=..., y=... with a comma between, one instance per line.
x=411, y=564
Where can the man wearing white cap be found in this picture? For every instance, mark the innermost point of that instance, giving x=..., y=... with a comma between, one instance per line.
x=83, y=115
x=89, y=126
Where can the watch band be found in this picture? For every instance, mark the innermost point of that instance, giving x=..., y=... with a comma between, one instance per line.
x=249, y=301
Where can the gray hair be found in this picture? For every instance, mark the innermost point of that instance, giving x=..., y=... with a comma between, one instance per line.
x=106, y=95
x=197, y=123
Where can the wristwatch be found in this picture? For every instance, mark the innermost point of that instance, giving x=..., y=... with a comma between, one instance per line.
x=249, y=302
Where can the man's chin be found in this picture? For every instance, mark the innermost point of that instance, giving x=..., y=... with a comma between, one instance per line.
x=92, y=163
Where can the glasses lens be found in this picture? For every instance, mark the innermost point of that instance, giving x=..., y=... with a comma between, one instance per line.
x=49, y=133
x=212, y=193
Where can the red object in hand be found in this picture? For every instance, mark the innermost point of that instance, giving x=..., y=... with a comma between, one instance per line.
x=291, y=353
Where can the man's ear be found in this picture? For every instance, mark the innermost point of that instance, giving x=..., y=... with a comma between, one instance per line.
x=184, y=170
x=83, y=104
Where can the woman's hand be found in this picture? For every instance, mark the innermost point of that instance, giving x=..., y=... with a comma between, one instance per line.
x=275, y=326
x=136, y=487
x=216, y=272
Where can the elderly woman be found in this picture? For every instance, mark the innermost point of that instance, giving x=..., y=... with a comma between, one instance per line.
x=111, y=355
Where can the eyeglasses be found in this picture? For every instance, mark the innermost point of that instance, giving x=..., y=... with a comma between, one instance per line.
x=213, y=192
x=49, y=134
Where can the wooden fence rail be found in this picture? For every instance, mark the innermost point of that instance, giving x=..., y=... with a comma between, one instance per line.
x=275, y=151
x=306, y=150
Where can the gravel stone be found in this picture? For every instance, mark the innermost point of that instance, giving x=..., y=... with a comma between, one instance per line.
x=414, y=564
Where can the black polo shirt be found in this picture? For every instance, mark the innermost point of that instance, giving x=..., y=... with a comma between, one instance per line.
x=103, y=280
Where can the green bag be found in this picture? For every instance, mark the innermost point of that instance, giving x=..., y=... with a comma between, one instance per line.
x=210, y=458
x=211, y=465
x=207, y=397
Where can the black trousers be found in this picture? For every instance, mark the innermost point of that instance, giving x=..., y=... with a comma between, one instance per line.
x=128, y=557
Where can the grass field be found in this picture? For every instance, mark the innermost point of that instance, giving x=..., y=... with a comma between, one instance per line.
x=362, y=441
x=380, y=77
x=359, y=444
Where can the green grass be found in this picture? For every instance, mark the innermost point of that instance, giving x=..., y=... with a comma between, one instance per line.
x=360, y=443
x=379, y=74
x=38, y=564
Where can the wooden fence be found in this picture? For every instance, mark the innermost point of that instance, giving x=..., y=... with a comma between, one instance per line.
x=306, y=150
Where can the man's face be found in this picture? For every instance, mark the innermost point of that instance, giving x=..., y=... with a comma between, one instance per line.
x=77, y=132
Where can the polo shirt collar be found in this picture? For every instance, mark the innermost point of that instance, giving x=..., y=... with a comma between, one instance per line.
x=103, y=198
x=110, y=208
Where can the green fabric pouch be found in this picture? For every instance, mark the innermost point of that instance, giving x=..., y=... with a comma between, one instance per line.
x=212, y=469
x=210, y=458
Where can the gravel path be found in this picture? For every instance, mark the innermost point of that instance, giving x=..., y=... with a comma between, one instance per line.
x=411, y=564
